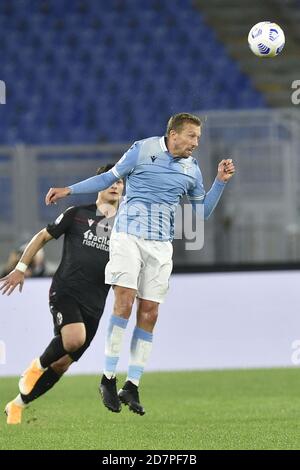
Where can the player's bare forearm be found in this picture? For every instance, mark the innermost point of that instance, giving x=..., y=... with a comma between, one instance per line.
x=56, y=193
x=226, y=170
x=36, y=243
x=17, y=277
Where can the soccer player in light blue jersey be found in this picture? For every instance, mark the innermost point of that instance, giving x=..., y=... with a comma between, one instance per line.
x=158, y=172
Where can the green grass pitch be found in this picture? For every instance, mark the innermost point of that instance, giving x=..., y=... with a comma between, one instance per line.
x=244, y=409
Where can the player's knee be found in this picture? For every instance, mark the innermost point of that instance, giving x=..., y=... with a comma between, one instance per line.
x=148, y=316
x=75, y=343
x=124, y=308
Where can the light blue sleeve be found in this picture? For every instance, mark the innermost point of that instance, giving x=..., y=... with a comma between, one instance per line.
x=127, y=163
x=198, y=197
x=100, y=182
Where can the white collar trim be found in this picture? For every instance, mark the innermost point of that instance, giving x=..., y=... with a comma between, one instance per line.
x=163, y=144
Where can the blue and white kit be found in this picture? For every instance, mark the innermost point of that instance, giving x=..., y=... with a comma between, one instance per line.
x=155, y=183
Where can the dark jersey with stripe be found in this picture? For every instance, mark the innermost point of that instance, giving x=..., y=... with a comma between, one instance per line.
x=85, y=254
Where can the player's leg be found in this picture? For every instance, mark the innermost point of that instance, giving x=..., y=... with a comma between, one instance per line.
x=124, y=299
x=140, y=350
x=47, y=380
x=76, y=338
x=73, y=338
x=37, y=380
x=152, y=289
x=122, y=271
x=70, y=335
x=70, y=338
x=50, y=377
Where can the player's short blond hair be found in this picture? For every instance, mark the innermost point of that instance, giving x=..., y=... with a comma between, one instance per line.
x=177, y=121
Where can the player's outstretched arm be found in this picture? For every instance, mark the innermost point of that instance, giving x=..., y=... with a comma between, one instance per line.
x=99, y=182
x=56, y=193
x=17, y=276
x=90, y=185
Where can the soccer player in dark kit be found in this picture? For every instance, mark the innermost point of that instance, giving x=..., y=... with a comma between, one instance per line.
x=77, y=294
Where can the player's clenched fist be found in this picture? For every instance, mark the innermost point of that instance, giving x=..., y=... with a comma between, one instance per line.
x=226, y=170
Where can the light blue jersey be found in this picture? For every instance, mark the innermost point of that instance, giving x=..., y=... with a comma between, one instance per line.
x=155, y=183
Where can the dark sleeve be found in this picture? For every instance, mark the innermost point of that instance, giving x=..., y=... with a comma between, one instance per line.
x=62, y=224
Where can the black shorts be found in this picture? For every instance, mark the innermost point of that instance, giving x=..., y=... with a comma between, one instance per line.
x=65, y=310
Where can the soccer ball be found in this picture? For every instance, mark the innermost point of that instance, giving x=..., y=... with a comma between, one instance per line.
x=266, y=39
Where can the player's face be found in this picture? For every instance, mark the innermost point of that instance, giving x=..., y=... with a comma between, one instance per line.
x=187, y=139
x=113, y=193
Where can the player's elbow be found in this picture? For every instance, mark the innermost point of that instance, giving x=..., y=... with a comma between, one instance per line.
x=208, y=210
x=44, y=236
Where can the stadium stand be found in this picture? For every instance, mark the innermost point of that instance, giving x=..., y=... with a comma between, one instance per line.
x=89, y=71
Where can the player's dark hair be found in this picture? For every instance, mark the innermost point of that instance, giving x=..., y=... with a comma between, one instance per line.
x=177, y=121
x=104, y=168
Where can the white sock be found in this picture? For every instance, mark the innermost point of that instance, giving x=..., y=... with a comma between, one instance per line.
x=140, y=349
x=134, y=381
x=113, y=344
